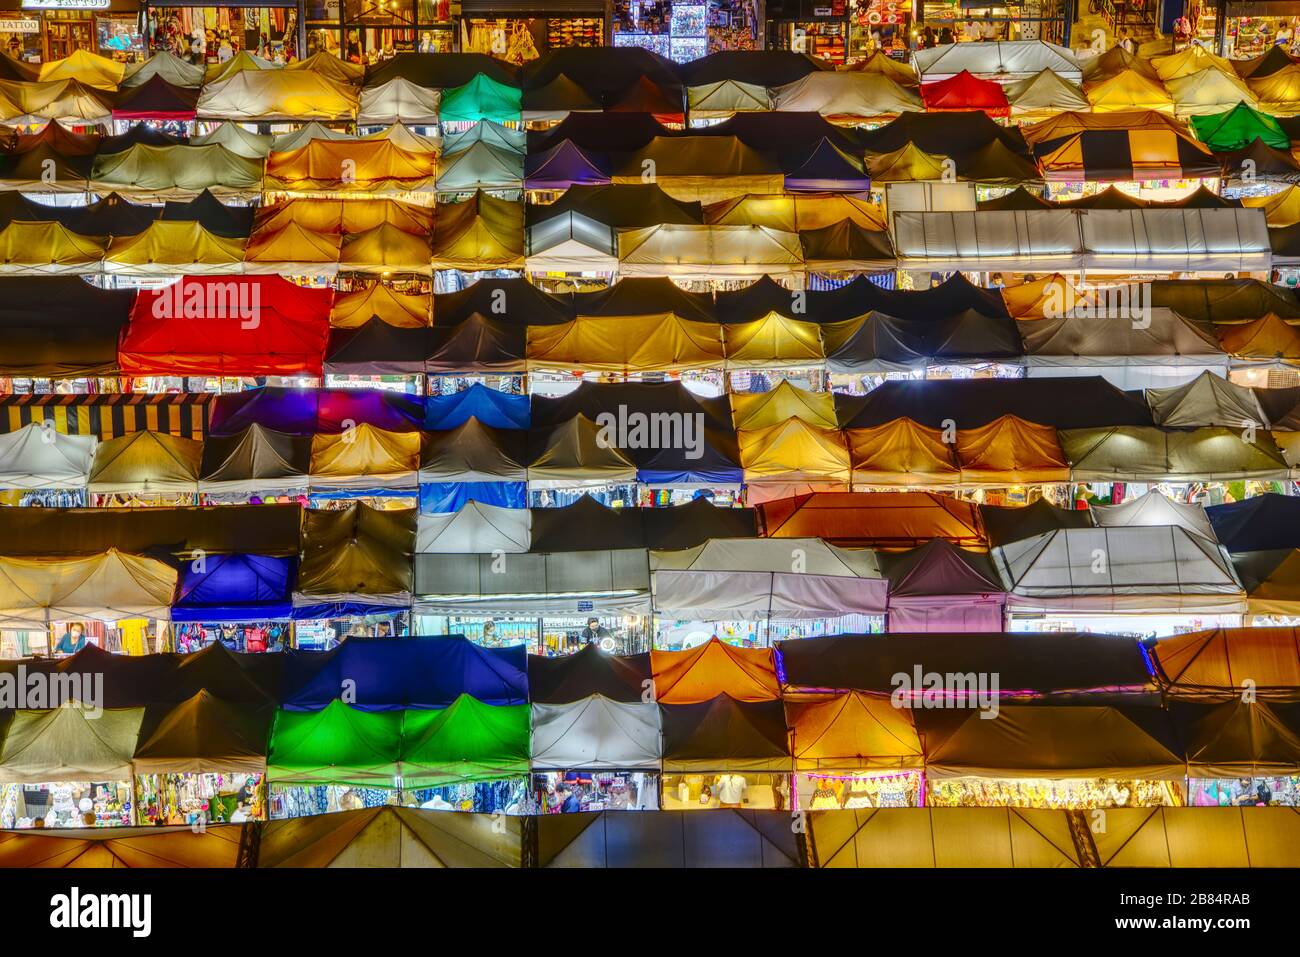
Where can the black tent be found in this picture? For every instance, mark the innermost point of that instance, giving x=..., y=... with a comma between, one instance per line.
x=139, y=134
x=247, y=679
x=604, y=72
x=504, y=300
x=1262, y=522
x=15, y=207
x=476, y=344
x=591, y=399
x=590, y=671
x=376, y=348
x=724, y=734
x=474, y=452
x=620, y=206
x=645, y=296
x=781, y=132
x=1005, y=524
x=110, y=216
x=128, y=681
x=695, y=522
x=586, y=525
x=44, y=164
x=1265, y=162
x=440, y=71
x=561, y=95
x=155, y=99
x=1019, y=200
x=1225, y=300
x=61, y=139
x=61, y=327
x=958, y=135
x=600, y=132
x=256, y=459
x=755, y=67
x=229, y=222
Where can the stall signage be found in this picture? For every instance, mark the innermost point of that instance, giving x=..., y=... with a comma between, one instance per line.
x=586, y=606
x=66, y=4
x=20, y=25
x=821, y=11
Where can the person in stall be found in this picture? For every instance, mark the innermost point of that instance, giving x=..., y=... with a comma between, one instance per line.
x=594, y=633
x=72, y=641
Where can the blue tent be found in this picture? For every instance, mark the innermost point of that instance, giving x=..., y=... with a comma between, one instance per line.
x=387, y=674
x=492, y=408
x=439, y=498
x=1256, y=524
x=231, y=588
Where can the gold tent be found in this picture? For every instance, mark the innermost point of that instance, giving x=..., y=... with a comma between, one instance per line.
x=351, y=166
x=170, y=248
x=795, y=452
x=86, y=68
x=1278, y=93
x=365, y=457
x=344, y=215
x=850, y=732
x=901, y=452
x=1209, y=92
x=146, y=462
x=1010, y=451
x=1267, y=340
x=762, y=410
x=108, y=587
x=294, y=249
x=49, y=249
x=1199, y=837
x=1214, y=664
x=278, y=95
x=793, y=213
x=331, y=67
x=401, y=310
x=626, y=344
x=1126, y=91
x=773, y=342
x=153, y=847
x=1280, y=209
x=69, y=102
x=240, y=62
x=704, y=169
x=688, y=250
x=1193, y=59
x=1053, y=295
x=356, y=554
x=907, y=164
x=481, y=233
x=386, y=249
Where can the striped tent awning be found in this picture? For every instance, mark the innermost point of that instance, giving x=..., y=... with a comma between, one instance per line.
x=109, y=415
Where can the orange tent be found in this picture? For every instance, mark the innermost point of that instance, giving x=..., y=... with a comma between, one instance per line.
x=1265, y=339
x=875, y=519
x=852, y=731
x=901, y=452
x=1215, y=663
x=714, y=668
x=1010, y=451
x=1053, y=295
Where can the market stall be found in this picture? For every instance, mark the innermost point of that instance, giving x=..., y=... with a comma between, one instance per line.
x=940, y=587
x=723, y=753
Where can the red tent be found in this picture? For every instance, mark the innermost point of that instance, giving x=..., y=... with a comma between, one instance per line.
x=965, y=91
x=229, y=326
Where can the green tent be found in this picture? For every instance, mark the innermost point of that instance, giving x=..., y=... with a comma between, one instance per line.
x=469, y=741
x=339, y=745
x=1238, y=128
x=482, y=98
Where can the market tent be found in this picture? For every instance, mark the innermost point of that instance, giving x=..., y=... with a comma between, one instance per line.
x=901, y=452
x=761, y=410
x=85, y=67
x=441, y=71
x=377, y=348
x=662, y=101
x=1039, y=239
x=679, y=839
x=389, y=674
x=574, y=454
x=723, y=734
x=1039, y=664
x=1141, y=569
x=1208, y=92
x=1225, y=300
x=230, y=222
x=1126, y=90
x=489, y=406
x=826, y=168
x=480, y=165
x=146, y=462
x=475, y=527
x=357, y=554
x=237, y=140
x=156, y=99
x=58, y=101
x=337, y=745
x=1045, y=93
x=1129, y=145
x=565, y=165
x=48, y=248
x=344, y=216
x=168, y=66
x=372, y=166
x=35, y=457
x=772, y=342
x=388, y=836
x=251, y=326
x=1054, y=295
x=1010, y=451
x=1280, y=209
x=106, y=587
x=722, y=99
x=798, y=213
x=700, y=251
x=292, y=249
x=1161, y=240
x=1151, y=454
x=242, y=61
x=60, y=327
x=645, y=297
x=278, y=95
x=466, y=742
x=940, y=587
x=711, y=669
x=203, y=735
x=365, y=458
x=626, y=344
x=1215, y=664
x=486, y=131
x=304, y=134
x=1197, y=836
x=177, y=172
x=386, y=250
x=965, y=91
x=567, y=528
x=43, y=169
x=1005, y=59
x=69, y=744
x=1271, y=579
x=1259, y=522
x=703, y=168
x=255, y=460
x=1238, y=127
x=1160, y=347
x=1207, y=400
x=851, y=731
x=587, y=672
x=555, y=100
x=794, y=452
x=1037, y=741
x=1192, y=59
x=595, y=733
x=875, y=342
x=482, y=98
x=1277, y=92
x=473, y=452
x=229, y=588
x=154, y=847
x=882, y=62
x=877, y=520
x=846, y=96
x=380, y=301
x=174, y=248
x=760, y=68
x=847, y=246
x=480, y=233
x=407, y=138
x=756, y=579
x=330, y=66
x=1155, y=509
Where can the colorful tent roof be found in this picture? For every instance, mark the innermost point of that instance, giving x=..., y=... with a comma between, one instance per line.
x=146, y=462
x=356, y=554
x=852, y=732
x=271, y=95
x=1215, y=664
x=105, y=587
x=482, y=98
x=338, y=745
x=235, y=588
x=482, y=232
x=714, y=668
x=69, y=744
x=465, y=742
x=965, y=91
x=177, y=172
x=203, y=735
x=376, y=166
x=365, y=458
x=842, y=95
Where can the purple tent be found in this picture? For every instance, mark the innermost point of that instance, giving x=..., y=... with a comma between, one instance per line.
x=940, y=587
x=309, y=411
x=565, y=165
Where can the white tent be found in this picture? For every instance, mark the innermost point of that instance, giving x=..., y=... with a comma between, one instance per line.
x=34, y=457
x=596, y=733
x=857, y=95
x=1166, y=240
x=1002, y=60
x=571, y=242
x=757, y=578
x=1207, y=400
x=1126, y=568
x=399, y=101
x=717, y=101
x=475, y=528
x=480, y=165
x=1038, y=240
x=1155, y=509
x=107, y=587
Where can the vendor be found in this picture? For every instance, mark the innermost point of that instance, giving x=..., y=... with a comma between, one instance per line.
x=73, y=640
x=594, y=632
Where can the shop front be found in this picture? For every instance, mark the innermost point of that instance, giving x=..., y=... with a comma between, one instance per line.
x=215, y=34
x=976, y=20
x=688, y=31
x=368, y=31
x=1244, y=30
x=39, y=31
x=519, y=31
x=819, y=28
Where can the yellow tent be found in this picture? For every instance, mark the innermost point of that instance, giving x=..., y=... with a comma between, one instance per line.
x=86, y=68
x=1053, y=295
x=1278, y=93
x=794, y=452
x=1208, y=92
x=108, y=586
x=170, y=248
x=1280, y=209
x=705, y=251
x=1010, y=451
x=481, y=233
x=794, y=212
x=880, y=62
x=177, y=172
x=238, y=64
x=901, y=452
x=217, y=845
x=48, y=248
x=365, y=457
x=704, y=169
x=386, y=249
x=1199, y=837
x=851, y=732
x=1268, y=339
x=344, y=215
x=1193, y=59
x=626, y=344
x=773, y=342
x=762, y=410
x=908, y=164
x=278, y=95
x=146, y=462
x=401, y=310
x=350, y=166
x=65, y=101
x=1127, y=91
x=293, y=249
x=331, y=67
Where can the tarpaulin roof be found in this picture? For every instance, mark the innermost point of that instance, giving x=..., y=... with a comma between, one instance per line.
x=772, y=342
x=203, y=735
x=299, y=95
x=1015, y=523
x=901, y=452
x=664, y=102
x=1132, y=145
x=798, y=212
x=1155, y=509
x=392, y=674
x=575, y=453
x=587, y=672
x=1225, y=300
x=169, y=248
x=70, y=744
x=475, y=527
x=153, y=847
x=1215, y=664
x=614, y=132
x=846, y=95
x=847, y=246
x=106, y=587
x=990, y=240
x=43, y=169
x=1037, y=741
x=1272, y=580
x=1208, y=92
x=1144, y=568
x=1277, y=91
x=342, y=216
x=1089, y=341
x=703, y=168
x=965, y=91
x=644, y=296
x=467, y=741
x=1150, y=454
x=473, y=452
x=380, y=301
x=603, y=71
x=480, y=166
x=491, y=407
x=238, y=140
x=879, y=342
x=1257, y=523
x=1029, y=664
x=307, y=133
x=377, y=348
x=565, y=165
x=775, y=134
x=358, y=551
x=1206, y=400
x=1117, y=60
x=168, y=66
x=725, y=98
x=596, y=733
x=338, y=745
x=156, y=99
x=111, y=216
x=235, y=588
x=243, y=60
x=385, y=249
x=1043, y=94
x=440, y=71
x=1265, y=64
x=1239, y=739
x=377, y=166
x=1010, y=451
x=146, y=462
x=177, y=172
x=480, y=233
x=60, y=327
x=759, y=410
x=794, y=451
x=627, y=343
x=852, y=731
x=306, y=412
x=762, y=68
x=714, y=668
x=879, y=520
x=938, y=568
x=67, y=101
x=827, y=168
x=85, y=67
x=726, y=735
x=1004, y=59
x=556, y=100
x=365, y=457
x=515, y=300
x=251, y=326
x=48, y=248
x=28, y=459
x=1018, y=199
x=482, y=98
x=331, y=66
x=1280, y=209
x=881, y=62
x=907, y=164
x=1193, y=59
